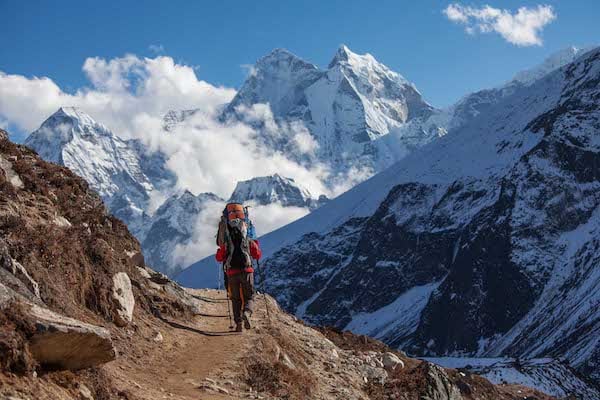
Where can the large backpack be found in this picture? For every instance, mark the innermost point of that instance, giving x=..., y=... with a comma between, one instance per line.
x=237, y=241
x=234, y=211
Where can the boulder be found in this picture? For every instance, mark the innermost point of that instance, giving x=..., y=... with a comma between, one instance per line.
x=373, y=374
x=391, y=361
x=123, y=299
x=439, y=386
x=143, y=272
x=19, y=272
x=67, y=343
x=6, y=296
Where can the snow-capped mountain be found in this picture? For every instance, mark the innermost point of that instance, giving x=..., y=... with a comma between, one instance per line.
x=123, y=172
x=266, y=190
x=109, y=164
x=362, y=115
x=174, y=224
x=483, y=242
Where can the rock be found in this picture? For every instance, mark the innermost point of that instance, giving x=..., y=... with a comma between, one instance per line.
x=138, y=259
x=158, y=337
x=85, y=392
x=15, y=268
x=334, y=353
x=222, y=390
x=143, y=272
x=123, y=299
x=67, y=343
x=277, y=352
x=61, y=221
x=10, y=174
x=286, y=360
x=439, y=386
x=374, y=374
x=159, y=278
x=214, y=387
x=391, y=361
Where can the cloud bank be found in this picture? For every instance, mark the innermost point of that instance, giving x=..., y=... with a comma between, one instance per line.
x=522, y=28
x=123, y=91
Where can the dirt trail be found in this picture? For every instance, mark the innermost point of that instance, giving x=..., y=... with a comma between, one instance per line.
x=190, y=353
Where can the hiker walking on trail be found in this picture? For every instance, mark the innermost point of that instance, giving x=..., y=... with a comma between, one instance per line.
x=236, y=250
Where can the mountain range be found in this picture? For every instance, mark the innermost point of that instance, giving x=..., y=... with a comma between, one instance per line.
x=476, y=235
x=361, y=116
x=481, y=243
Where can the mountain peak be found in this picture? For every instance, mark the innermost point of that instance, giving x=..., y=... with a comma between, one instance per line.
x=342, y=54
x=281, y=56
x=74, y=113
x=345, y=56
x=270, y=189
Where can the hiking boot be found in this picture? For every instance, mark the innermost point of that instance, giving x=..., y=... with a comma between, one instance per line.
x=246, y=318
x=238, y=327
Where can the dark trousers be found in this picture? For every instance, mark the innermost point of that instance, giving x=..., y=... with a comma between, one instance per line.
x=241, y=291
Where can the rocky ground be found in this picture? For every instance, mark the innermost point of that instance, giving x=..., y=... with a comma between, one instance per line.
x=83, y=317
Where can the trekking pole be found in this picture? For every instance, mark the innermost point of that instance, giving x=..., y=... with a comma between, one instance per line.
x=228, y=305
x=262, y=286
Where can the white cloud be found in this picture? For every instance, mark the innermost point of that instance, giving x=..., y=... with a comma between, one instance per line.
x=123, y=90
x=522, y=28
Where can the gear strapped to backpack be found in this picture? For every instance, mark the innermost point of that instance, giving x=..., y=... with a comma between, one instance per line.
x=232, y=212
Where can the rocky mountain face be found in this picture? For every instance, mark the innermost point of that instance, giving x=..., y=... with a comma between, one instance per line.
x=174, y=223
x=266, y=190
x=482, y=243
x=124, y=173
x=361, y=114
x=82, y=317
x=120, y=171
x=547, y=374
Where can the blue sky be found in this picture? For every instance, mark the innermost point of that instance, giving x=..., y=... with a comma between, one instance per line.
x=414, y=38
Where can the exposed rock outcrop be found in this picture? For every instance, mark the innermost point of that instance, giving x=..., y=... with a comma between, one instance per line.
x=67, y=343
x=124, y=301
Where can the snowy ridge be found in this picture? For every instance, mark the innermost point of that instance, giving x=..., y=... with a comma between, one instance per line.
x=551, y=63
x=274, y=189
x=175, y=117
x=545, y=374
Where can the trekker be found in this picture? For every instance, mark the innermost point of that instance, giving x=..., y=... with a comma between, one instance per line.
x=236, y=251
